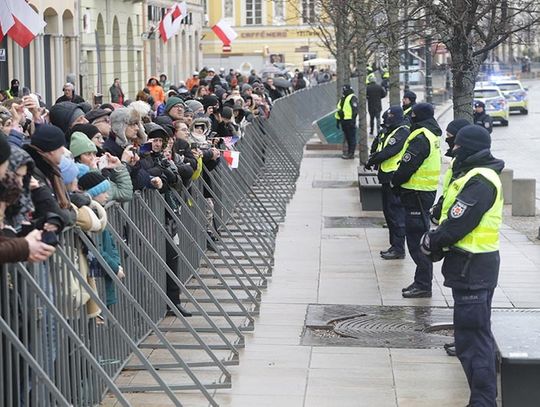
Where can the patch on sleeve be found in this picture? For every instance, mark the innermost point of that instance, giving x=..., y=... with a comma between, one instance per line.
x=354, y=104
x=487, y=125
x=406, y=157
x=392, y=141
x=458, y=210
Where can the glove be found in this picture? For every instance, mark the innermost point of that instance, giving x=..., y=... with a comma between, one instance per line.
x=425, y=247
x=80, y=199
x=435, y=213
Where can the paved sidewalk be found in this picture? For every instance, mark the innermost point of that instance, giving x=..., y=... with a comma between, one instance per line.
x=318, y=265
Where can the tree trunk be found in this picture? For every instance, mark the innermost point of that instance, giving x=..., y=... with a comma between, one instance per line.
x=393, y=52
x=465, y=69
x=361, y=62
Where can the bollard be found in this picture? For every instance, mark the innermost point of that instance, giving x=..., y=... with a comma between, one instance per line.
x=524, y=197
x=507, y=175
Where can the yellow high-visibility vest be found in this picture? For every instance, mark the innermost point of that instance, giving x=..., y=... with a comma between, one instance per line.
x=484, y=238
x=346, y=108
x=426, y=178
x=391, y=164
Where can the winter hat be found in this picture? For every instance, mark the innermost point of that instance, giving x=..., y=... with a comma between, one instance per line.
x=393, y=115
x=83, y=169
x=96, y=114
x=410, y=95
x=173, y=101
x=154, y=130
x=94, y=184
x=5, y=149
x=85, y=107
x=473, y=138
x=63, y=114
x=80, y=144
x=227, y=112
x=69, y=170
x=423, y=111
x=167, y=123
x=480, y=104
x=48, y=138
x=194, y=105
x=88, y=129
x=246, y=86
x=456, y=125
x=209, y=100
x=219, y=92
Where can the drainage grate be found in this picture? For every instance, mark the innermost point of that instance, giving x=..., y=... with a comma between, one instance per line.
x=387, y=326
x=334, y=184
x=353, y=222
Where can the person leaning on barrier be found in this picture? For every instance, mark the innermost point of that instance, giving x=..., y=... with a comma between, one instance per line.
x=416, y=180
x=347, y=110
x=468, y=239
x=386, y=156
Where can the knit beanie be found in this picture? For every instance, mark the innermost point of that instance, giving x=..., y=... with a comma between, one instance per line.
x=456, y=125
x=48, y=138
x=5, y=149
x=173, y=101
x=154, y=130
x=473, y=138
x=209, y=100
x=88, y=129
x=227, y=112
x=393, y=116
x=194, y=105
x=64, y=113
x=81, y=144
x=94, y=184
x=423, y=111
x=69, y=170
x=410, y=95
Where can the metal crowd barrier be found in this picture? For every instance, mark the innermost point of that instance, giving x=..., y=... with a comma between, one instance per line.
x=74, y=336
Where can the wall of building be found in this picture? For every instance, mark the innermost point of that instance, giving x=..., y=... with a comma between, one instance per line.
x=281, y=35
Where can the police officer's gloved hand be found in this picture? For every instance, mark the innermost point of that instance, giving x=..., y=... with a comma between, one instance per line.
x=435, y=213
x=369, y=165
x=433, y=255
x=396, y=189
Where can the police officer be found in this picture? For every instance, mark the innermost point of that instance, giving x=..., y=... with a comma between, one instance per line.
x=481, y=118
x=468, y=238
x=416, y=179
x=347, y=110
x=407, y=103
x=385, y=154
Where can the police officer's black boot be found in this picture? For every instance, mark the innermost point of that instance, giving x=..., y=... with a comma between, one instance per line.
x=416, y=292
x=392, y=254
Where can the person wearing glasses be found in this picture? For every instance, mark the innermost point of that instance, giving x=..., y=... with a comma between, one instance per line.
x=69, y=95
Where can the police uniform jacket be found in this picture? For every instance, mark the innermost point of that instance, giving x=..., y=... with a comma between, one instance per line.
x=393, y=147
x=417, y=151
x=461, y=269
x=483, y=119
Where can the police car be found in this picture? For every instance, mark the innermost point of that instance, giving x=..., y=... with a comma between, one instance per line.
x=496, y=104
x=515, y=94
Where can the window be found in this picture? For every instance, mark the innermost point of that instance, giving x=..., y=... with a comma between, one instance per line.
x=253, y=12
x=228, y=11
x=279, y=12
x=308, y=11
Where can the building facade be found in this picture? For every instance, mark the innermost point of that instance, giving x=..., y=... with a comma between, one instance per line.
x=44, y=65
x=269, y=31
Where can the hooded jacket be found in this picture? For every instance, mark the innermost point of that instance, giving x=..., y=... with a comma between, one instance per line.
x=21, y=212
x=460, y=269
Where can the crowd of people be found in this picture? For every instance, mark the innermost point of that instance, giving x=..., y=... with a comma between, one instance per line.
x=60, y=166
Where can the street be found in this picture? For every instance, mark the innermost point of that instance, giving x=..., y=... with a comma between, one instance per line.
x=519, y=143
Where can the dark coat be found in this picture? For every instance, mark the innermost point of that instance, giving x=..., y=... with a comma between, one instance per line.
x=375, y=93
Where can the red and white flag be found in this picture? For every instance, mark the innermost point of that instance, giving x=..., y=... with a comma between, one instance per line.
x=232, y=158
x=19, y=21
x=172, y=20
x=224, y=32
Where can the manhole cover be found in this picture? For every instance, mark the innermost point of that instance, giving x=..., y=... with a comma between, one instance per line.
x=353, y=222
x=362, y=325
x=334, y=184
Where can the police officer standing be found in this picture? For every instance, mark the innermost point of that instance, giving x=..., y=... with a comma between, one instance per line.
x=385, y=154
x=407, y=103
x=416, y=179
x=347, y=110
x=468, y=238
x=481, y=118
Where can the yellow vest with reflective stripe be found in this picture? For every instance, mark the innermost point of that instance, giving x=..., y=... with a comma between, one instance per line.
x=407, y=111
x=484, y=238
x=426, y=178
x=392, y=163
x=346, y=108
x=447, y=177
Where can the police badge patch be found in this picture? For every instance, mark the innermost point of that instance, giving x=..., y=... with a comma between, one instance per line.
x=458, y=210
x=392, y=141
x=406, y=157
x=487, y=125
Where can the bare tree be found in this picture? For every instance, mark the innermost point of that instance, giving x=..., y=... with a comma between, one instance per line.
x=470, y=29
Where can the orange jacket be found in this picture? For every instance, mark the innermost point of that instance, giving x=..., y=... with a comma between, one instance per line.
x=191, y=82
